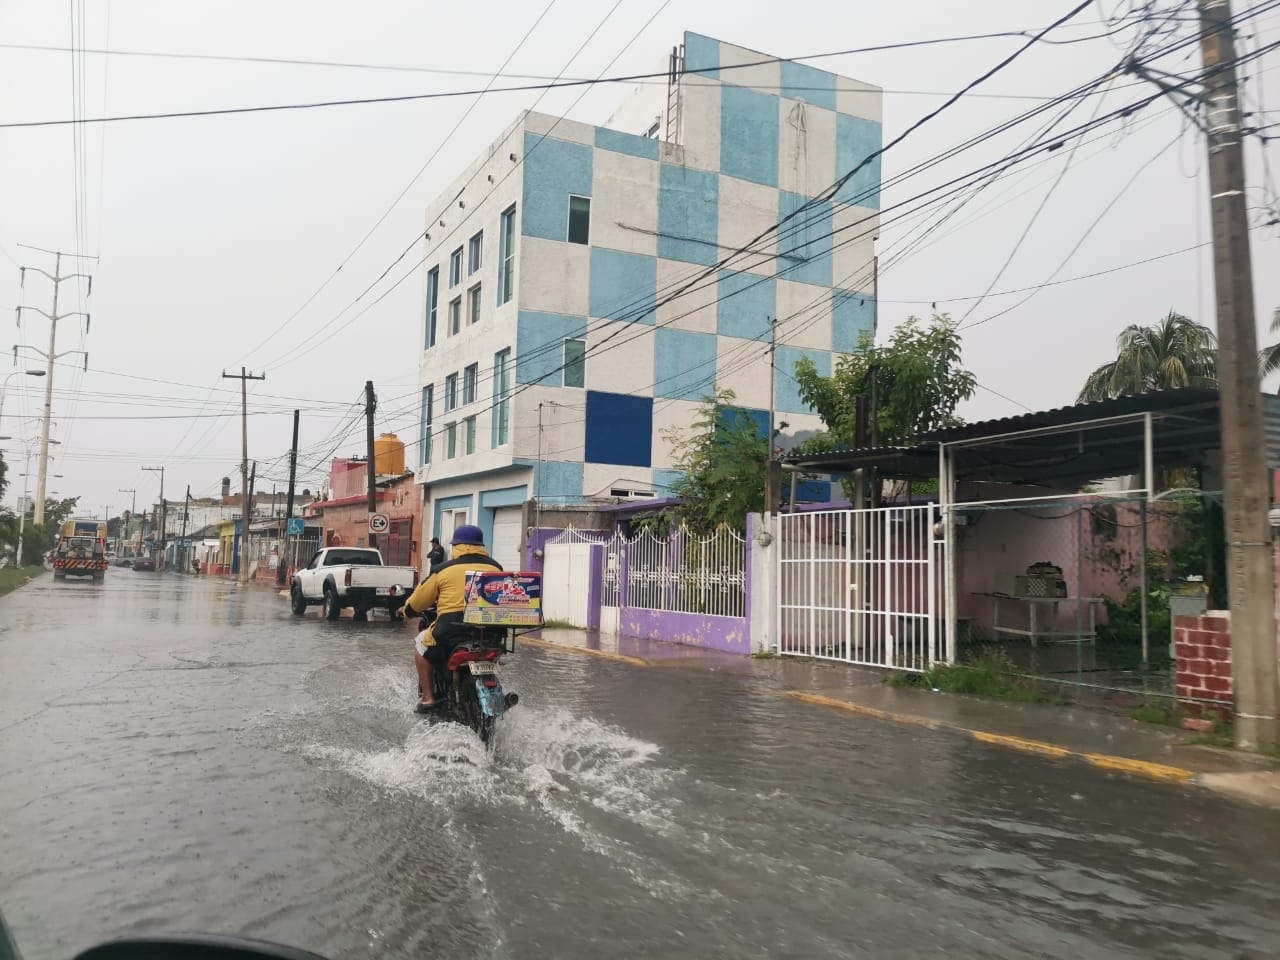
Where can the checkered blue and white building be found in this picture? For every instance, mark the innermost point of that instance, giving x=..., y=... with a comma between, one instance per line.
x=574, y=306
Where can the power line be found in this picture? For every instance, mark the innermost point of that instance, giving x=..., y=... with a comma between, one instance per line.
x=408, y=186
x=516, y=88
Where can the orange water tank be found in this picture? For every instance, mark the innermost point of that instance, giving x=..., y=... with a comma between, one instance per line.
x=388, y=455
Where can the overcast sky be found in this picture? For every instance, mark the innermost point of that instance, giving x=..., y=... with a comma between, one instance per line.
x=214, y=232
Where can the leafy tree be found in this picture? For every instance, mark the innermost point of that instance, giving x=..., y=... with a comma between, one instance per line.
x=36, y=538
x=722, y=456
x=1176, y=352
x=1269, y=358
x=4, y=471
x=919, y=384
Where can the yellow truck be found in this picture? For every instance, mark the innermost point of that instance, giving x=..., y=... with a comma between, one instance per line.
x=81, y=550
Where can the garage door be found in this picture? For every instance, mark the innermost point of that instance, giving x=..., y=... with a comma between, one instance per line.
x=508, y=537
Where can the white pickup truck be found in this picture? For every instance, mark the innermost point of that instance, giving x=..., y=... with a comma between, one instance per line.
x=354, y=577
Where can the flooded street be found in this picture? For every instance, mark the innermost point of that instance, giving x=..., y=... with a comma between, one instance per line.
x=182, y=755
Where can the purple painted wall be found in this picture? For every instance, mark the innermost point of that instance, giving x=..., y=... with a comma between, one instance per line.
x=729, y=634
x=596, y=553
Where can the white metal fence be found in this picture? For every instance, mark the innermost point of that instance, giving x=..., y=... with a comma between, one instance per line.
x=687, y=573
x=862, y=586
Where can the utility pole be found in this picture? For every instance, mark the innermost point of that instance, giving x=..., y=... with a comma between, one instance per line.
x=773, y=470
x=1250, y=574
x=371, y=404
x=288, y=508
x=56, y=278
x=186, y=513
x=159, y=470
x=245, y=509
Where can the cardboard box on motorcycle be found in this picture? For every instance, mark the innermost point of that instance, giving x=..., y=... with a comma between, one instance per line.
x=498, y=599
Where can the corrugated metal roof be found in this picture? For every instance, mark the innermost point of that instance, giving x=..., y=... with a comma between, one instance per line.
x=1155, y=401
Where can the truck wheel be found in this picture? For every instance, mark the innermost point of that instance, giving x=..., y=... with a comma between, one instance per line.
x=332, y=608
x=297, y=602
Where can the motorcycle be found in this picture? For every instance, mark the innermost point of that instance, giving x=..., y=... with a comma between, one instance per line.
x=469, y=687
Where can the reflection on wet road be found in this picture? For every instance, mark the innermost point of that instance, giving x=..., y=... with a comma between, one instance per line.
x=179, y=754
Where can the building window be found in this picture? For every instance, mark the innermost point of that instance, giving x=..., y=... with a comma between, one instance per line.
x=450, y=441
x=507, y=256
x=455, y=268
x=475, y=252
x=473, y=305
x=579, y=219
x=470, y=423
x=575, y=362
x=450, y=392
x=470, y=376
x=455, y=316
x=424, y=428
x=433, y=293
x=501, y=396
x=652, y=132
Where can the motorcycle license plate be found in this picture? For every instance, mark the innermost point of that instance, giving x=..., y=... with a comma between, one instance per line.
x=482, y=667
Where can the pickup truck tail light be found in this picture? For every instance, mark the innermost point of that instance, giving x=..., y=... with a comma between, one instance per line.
x=415, y=577
x=346, y=577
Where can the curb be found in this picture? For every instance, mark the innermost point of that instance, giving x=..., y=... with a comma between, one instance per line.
x=589, y=651
x=1147, y=769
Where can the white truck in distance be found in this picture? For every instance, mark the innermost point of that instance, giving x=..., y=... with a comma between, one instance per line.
x=354, y=577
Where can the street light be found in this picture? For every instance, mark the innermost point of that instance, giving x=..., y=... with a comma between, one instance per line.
x=4, y=386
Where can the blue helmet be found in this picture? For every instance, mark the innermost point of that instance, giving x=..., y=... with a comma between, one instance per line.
x=468, y=533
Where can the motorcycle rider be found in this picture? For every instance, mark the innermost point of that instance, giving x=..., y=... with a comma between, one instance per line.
x=445, y=590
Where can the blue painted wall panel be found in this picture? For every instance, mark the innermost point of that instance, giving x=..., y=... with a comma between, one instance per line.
x=559, y=480
x=619, y=429
x=749, y=135
x=760, y=418
x=553, y=169
x=856, y=139
x=702, y=55
x=539, y=353
x=623, y=286
x=851, y=313
x=688, y=214
x=803, y=82
x=804, y=241
x=684, y=364
x=620, y=142
x=663, y=480
x=786, y=397
x=745, y=304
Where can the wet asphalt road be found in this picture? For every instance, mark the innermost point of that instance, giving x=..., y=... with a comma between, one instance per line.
x=179, y=754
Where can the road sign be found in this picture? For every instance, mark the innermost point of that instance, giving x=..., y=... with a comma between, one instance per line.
x=378, y=522
x=295, y=526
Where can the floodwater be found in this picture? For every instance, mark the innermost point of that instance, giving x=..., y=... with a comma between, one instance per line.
x=182, y=755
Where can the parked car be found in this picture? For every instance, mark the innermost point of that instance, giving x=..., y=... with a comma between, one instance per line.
x=144, y=563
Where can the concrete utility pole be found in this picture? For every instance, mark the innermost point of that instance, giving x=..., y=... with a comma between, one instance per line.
x=288, y=509
x=56, y=278
x=370, y=405
x=160, y=470
x=246, y=508
x=1250, y=572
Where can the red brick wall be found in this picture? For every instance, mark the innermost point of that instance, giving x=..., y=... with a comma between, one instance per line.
x=1202, y=656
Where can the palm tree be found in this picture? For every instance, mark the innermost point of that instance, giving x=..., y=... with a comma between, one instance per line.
x=1269, y=357
x=1176, y=352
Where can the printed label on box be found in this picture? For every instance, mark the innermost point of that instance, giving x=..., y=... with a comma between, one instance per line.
x=504, y=599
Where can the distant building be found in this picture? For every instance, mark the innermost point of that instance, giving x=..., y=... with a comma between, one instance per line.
x=585, y=286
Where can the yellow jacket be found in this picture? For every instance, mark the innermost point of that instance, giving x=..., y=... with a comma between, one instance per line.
x=446, y=589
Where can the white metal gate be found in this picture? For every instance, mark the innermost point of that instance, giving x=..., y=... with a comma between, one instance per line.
x=862, y=586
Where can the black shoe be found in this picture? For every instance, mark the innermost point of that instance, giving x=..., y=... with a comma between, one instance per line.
x=426, y=707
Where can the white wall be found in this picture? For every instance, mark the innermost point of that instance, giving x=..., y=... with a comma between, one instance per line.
x=483, y=202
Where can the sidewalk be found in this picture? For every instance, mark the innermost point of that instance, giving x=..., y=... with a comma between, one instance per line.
x=1070, y=733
